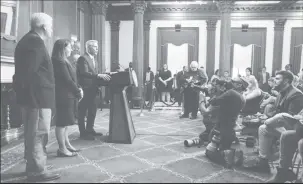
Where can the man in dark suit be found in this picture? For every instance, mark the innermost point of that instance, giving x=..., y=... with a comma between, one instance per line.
x=191, y=95
x=180, y=82
x=148, y=79
x=129, y=90
x=89, y=79
x=34, y=85
x=263, y=77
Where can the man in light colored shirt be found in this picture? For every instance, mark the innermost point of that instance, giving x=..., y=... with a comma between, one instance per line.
x=148, y=81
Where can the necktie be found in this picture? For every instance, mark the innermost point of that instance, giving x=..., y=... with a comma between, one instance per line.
x=94, y=63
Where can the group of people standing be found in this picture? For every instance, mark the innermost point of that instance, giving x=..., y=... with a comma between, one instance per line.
x=181, y=87
x=65, y=82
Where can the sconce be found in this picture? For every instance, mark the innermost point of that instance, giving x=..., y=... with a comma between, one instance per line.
x=244, y=27
x=178, y=27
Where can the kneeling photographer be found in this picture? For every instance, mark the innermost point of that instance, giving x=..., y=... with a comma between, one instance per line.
x=210, y=112
x=229, y=105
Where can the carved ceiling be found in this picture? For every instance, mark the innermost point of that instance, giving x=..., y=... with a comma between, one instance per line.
x=214, y=7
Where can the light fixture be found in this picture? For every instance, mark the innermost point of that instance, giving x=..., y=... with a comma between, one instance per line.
x=244, y=27
x=178, y=27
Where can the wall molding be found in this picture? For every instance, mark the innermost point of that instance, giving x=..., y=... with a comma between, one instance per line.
x=289, y=10
x=7, y=59
x=174, y=40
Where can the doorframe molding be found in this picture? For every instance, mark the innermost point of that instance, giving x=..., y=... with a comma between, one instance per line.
x=161, y=30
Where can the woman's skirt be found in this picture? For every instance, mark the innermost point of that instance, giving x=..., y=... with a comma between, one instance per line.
x=66, y=113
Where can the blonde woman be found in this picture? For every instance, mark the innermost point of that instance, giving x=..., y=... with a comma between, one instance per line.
x=252, y=96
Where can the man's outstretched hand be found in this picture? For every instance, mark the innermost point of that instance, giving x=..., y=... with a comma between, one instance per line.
x=104, y=76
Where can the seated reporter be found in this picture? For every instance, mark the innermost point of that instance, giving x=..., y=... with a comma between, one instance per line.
x=300, y=148
x=289, y=101
x=68, y=94
x=289, y=142
x=253, y=96
x=268, y=104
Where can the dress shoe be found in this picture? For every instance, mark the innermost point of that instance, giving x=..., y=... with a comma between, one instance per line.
x=183, y=116
x=43, y=177
x=193, y=117
x=61, y=154
x=87, y=137
x=73, y=150
x=94, y=133
x=282, y=176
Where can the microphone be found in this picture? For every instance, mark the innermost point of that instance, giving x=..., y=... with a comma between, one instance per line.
x=121, y=66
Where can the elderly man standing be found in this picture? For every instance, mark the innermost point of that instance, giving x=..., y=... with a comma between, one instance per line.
x=89, y=79
x=34, y=85
x=191, y=96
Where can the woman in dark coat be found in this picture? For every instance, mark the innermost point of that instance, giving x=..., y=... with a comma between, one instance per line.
x=68, y=93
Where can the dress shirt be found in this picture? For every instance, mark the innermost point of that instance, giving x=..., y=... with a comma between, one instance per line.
x=93, y=59
x=147, y=76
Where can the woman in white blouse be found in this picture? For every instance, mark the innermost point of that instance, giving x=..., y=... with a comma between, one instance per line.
x=249, y=75
x=253, y=89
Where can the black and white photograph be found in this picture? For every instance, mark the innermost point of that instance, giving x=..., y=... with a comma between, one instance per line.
x=151, y=91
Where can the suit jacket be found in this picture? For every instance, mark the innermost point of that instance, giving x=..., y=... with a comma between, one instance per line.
x=151, y=79
x=290, y=101
x=260, y=77
x=86, y=72
x=180, y=78
x=66, y=81
x=34, y=81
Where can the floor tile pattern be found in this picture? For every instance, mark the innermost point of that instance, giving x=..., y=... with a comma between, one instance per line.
x=156, y=155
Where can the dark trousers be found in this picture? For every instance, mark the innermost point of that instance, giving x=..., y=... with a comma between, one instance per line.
x=148, y=88
x=227, y=136
x=191, y=101
x=88, y=105
x=129, y=94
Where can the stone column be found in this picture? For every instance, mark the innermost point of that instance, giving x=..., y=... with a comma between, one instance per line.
x=146, y=44
x=99, y=9
x=48, y=8
x=138, y=46
x=114, y=42
x=225, y=8
x=211, y=43
x=278, y=44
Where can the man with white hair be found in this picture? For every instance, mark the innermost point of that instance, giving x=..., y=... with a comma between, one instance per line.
x=89, y=79
x=34, y=85
x=195, y=76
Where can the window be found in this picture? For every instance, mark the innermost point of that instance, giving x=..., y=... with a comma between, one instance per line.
x=8, y=17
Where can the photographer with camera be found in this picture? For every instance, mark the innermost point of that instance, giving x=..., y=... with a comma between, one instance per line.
x=210, y=112
x=229, y=104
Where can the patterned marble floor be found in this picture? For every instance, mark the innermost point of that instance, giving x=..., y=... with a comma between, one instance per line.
x=156, y=155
